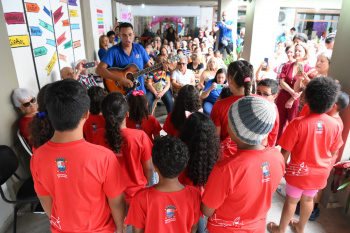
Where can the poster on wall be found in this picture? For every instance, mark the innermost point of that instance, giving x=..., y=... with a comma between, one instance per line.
x=100, y=24
x=127, y=15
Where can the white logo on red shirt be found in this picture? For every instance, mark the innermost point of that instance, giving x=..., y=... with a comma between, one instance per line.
x=170, y=211
x=237, y=223
x=61, y=165
x=319, y=127
x=55, y=221
x=266, y=172
x=294, y=169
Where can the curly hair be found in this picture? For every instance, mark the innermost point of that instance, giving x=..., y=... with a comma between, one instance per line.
x=170, y=156
x=138, y=109
x=114, y=109
x=321, y=94
x=96, y=94
x=199, y=134
x=226, y=92
x=238, y=71
x=40, y=128
x=187, y=100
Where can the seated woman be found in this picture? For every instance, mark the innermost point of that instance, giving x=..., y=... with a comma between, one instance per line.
x=209, y=72
x=163, y=51
x=103, y=43
x=212, y=91
x=159, y=87
x=196, y=66
x=171, y=47
x=182, y=76
x=25, y=100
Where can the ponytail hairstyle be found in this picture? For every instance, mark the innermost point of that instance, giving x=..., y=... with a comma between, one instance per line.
x=40, y=128
x=187, y=100
x=242, y=73
x=138, y=109
x=114, y=109
x=96, y=94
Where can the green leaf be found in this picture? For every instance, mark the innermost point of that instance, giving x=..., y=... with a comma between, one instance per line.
x=343, y=185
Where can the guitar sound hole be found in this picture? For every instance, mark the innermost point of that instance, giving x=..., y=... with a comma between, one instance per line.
x=130, y=77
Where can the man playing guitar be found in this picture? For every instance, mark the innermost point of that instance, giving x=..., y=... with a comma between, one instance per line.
x=123, y=54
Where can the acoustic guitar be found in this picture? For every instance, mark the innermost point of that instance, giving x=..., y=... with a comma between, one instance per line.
x=131, y=72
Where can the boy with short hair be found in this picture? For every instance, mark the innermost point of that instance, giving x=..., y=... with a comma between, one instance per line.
x=80, y=185
x=167, y=206
x=312, y=141
x=268, y=88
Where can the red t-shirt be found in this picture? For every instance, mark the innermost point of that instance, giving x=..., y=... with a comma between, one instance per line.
x=336, y=158
x=310, y=139
x=93, y=123
x=80, y=177
x=183, y=179
x=137, y=148
x=271, y=139
x=240, y=189
x=24, y=128
x=304, y=111
x=150, y=126
x=170, y=212
x=169, y=128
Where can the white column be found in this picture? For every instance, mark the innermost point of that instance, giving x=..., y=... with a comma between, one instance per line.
x=88, y=30
x=261, y=30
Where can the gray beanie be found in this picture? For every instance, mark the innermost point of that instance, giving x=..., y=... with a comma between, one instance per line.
x=251, y=119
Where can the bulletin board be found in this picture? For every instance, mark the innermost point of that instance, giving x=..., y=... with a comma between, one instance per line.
x=45, y=36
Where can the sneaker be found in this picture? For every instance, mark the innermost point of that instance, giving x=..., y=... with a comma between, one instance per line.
x=313, y=216
x=317, y=212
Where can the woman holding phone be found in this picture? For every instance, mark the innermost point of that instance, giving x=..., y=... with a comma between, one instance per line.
x=288, y=100
x=213, y=90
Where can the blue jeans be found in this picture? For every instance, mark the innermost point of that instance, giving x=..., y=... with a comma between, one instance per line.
x=207, y=107
x=167, y=100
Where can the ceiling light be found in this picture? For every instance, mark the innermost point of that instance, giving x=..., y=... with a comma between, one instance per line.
x=143, y=5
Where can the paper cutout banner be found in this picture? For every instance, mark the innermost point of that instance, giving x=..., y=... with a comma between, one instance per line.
x=63, y=1
x=35, y=31
x=73, y=13
x=68, y=44
x=47, y=11
x=32, y=7
x=62, y=57
x=57, y=15
x=40, y=51
x=14, y=18
x=19, y=41
x=51, y=63
x=157, y=19
x=100, y=26
x=124, y=15
x=101, y=31
x=45, y=25
x=99, y=11
x=65, y=23
x=72, y=2
x=61, y=38
x=76, y=44
x=75, y=26
x=50, y=42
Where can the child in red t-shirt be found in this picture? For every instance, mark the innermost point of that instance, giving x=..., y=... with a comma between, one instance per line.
x=95, y=120
x=239, y=190
x=80, y=185
x=187, y=100
x=132, y=146
x=138, y=115
x=167, y=206
x=311, y=141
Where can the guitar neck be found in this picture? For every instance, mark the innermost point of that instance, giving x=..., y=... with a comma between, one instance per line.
x=147, y=70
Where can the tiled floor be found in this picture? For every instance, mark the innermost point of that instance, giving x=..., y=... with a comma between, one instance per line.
x=329, y=221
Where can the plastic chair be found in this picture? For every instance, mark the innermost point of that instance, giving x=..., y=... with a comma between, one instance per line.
x=24, y=143
x=26, y=193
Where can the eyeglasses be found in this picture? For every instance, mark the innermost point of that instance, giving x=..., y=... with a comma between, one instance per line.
x=182, y=64
x=263, y=94
x=27, y=104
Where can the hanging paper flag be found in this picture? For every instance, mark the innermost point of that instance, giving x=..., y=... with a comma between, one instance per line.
x=75, y=26
x=65, y=23
x=57, y=15
x=32, y=7
x=73, y=13
x=14, y=18
x=35, y=31
x=76, y=44
x=47, y=11
x=50, y=42
x=72, y=2
x=61, y=38
x=62, y=57
x=45, y=25
x=65, y=1
x=40, y=51
x=19, y=41
x=68, y=44
x=51, y=63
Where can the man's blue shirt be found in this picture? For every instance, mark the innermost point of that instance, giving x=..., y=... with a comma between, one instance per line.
x=224, y=31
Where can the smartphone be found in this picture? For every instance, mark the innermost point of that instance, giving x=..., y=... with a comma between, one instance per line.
x=89, y=64
x=300, y=67
x=266, y=60
x=220, y=86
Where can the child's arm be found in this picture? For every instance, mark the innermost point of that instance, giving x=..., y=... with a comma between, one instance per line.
x=46, y=203
x=285, y=154
x=147, y=170
x=207, y=211
x=137, y=230
x=118, y=209
x=194, y=227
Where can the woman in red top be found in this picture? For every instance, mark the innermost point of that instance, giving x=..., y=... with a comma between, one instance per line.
x=138, y=115
x=25, y=100
x=288, y=100
x=187, y=100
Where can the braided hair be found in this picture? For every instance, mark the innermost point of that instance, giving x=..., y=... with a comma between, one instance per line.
x=238, y=71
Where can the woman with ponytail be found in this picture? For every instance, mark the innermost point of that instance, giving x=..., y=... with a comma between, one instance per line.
x=132, y=147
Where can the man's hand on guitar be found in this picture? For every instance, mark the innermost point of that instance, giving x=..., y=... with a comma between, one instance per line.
x=127, y=83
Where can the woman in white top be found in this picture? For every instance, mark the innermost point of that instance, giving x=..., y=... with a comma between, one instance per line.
x=182, y=76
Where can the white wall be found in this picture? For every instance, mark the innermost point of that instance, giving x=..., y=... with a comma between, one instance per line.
x=320, y=4
x=288, y=21
x=206, y=17
x=167, y=10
